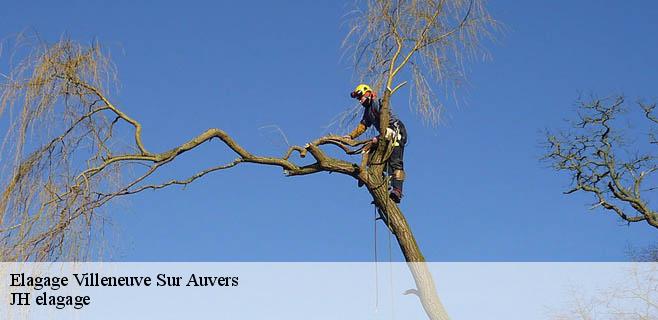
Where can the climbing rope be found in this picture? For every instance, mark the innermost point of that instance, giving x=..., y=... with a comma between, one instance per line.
x=383, y=215
x=390, y=247
x=376, y=266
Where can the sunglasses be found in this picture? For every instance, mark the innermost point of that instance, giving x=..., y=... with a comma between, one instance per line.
x=356, y=94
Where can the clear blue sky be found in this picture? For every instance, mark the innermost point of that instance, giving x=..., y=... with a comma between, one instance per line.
x=475, y=190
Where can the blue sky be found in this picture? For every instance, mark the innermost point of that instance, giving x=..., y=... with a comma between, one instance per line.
x=476, y=190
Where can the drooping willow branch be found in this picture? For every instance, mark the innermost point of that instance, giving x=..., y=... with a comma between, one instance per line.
x=426, y=41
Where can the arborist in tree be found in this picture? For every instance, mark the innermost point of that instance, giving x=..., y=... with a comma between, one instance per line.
x=395, y=131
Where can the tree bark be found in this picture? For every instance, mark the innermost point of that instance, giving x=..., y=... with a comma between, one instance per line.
x=395, y=220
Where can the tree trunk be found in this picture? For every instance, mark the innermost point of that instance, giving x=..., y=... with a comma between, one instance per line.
x=425, y=288
x=396, y=222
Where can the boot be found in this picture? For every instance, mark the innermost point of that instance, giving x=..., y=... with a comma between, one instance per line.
x=396, y=190
x=396, y=195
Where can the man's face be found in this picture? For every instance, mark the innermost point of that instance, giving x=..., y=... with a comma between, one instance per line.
x=366, y=99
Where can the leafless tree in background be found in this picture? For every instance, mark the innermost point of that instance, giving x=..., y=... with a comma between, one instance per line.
x=634, y=299
x=64, y=156
x=644, y=254
x=607, y=162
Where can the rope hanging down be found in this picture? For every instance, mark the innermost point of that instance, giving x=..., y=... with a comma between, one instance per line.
x=381, y=215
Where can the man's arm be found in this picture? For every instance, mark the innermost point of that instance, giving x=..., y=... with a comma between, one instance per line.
x=360, y=129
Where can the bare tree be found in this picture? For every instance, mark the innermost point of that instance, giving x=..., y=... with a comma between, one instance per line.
x=634, y=299
x=604, y=161
x=643, y=254
x=68, y=160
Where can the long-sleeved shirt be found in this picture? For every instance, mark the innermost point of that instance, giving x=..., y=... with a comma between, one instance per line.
x=370, y=117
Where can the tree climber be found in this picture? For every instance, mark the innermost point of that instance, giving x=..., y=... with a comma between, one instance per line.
x=395, y=132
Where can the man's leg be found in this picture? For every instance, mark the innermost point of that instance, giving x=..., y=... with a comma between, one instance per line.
x=396, y=172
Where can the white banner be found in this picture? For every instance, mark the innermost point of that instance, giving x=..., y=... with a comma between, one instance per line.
x=307, y=290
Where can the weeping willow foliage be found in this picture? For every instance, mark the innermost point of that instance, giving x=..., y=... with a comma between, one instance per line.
x=55, y=128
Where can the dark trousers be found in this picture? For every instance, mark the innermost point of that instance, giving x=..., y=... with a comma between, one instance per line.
x=395, y=161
